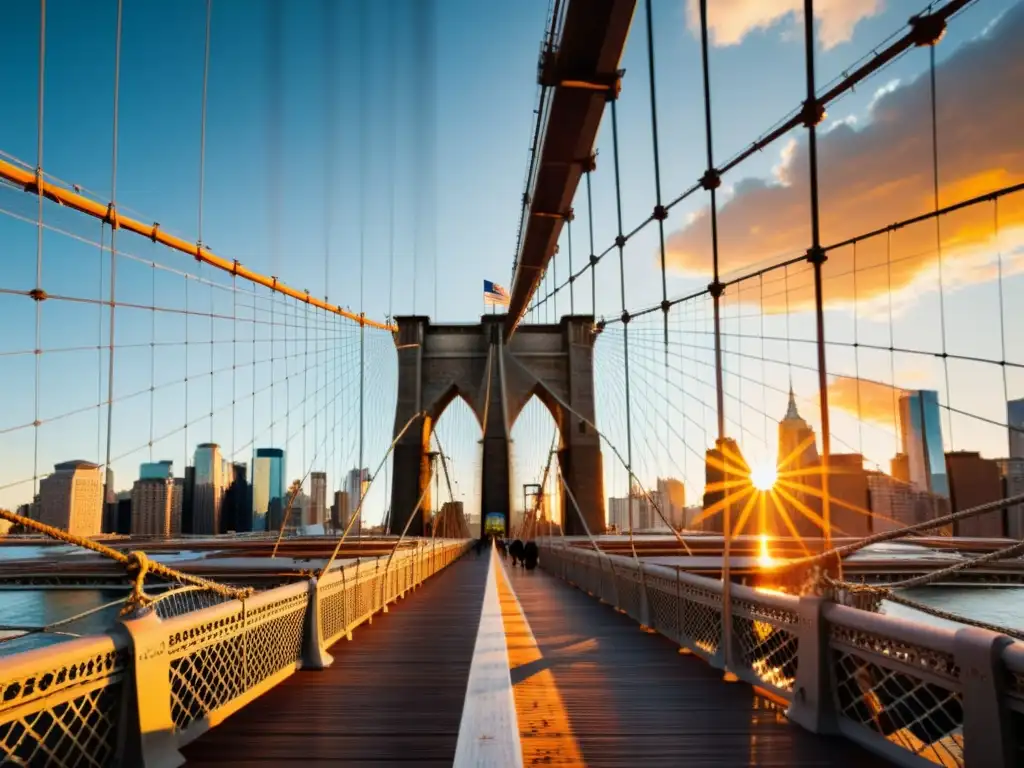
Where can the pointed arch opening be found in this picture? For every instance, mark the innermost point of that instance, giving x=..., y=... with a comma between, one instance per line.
x=538, y=497
x=451, y=436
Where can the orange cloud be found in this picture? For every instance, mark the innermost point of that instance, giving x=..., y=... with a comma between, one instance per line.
x=882, y=173
x=869, y=400
x=729, y=21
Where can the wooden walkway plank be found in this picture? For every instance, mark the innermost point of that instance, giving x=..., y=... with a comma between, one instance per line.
x=394, y=694
x=628, y=698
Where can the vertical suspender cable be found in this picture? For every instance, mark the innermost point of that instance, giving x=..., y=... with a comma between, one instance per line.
x=659, y=210
x=710, y=182
x=331, y=106
x=593, y=258
x=108, y=491
x=620, y=242
x=363, y=38
x=938, y=240
x=813, y=114
x=202, y=187
x=39, y=242
x=572, y=275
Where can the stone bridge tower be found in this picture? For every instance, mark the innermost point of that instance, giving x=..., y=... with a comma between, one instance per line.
x=437, y=363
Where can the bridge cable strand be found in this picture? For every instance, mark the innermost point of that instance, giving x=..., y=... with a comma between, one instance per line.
x=620, y=242
x=633, y=479
x=938, y=235
x=108, y=492
x=358, y=511
x=712, y=175
x=136, y=563
x=39, y=244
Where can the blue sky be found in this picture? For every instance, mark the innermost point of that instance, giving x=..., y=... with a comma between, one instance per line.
x=257, y=185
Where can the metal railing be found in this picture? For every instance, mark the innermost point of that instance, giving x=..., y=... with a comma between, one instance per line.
x=136, y=695
x=912, y=693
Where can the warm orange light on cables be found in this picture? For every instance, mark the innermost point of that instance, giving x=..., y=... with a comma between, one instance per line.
x=108, y=213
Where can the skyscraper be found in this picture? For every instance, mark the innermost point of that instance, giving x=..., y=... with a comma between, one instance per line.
x=921, y=431
x=236, y=512
x=318, y=502
x=268, y=489
x=798, y=468
x=672, y=493
x=72, y=498
x=723, y=465
x=358, y=480
x=156, y=506
x=210, y=484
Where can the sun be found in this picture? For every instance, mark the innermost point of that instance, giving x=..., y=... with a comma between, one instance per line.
x=763, y=476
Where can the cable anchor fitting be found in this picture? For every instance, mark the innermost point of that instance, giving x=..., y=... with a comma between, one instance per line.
x=625, y=317
x=711, y=179
x=926, y=29
x=593, y=260
x=666, y=305
x=38, y=294
x=111, y=217
x=620, y=241
x=816, y=255
x=812, y=112
x=590, y=163
x=660, y=213
x=155, y=231
x=716, y=289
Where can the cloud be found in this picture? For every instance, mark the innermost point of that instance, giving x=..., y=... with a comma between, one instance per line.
x=729, y=21
x=881, y=173
x=868, y=400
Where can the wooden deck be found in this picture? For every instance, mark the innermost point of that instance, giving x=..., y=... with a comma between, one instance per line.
x=590, y=689
x=604, y=693
x=394, y=694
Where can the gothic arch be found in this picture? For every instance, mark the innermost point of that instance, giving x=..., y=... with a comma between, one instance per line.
x=497, y=379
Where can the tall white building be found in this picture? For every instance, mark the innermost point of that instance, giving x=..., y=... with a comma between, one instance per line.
x=72, y=498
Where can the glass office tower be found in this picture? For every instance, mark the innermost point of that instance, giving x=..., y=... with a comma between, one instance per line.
x=268, y=489
x=211, y=481
x=921, y=428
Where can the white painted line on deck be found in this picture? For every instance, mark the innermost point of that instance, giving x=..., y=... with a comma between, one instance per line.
x=489, y=730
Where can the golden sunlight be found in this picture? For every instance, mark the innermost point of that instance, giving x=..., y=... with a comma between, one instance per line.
x=764, y=557
x=763, y=476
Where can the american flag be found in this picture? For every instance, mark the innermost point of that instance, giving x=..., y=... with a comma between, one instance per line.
x=495, y=294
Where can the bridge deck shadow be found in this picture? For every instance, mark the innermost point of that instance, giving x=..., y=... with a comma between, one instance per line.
x=630, y=699
x=394, y=695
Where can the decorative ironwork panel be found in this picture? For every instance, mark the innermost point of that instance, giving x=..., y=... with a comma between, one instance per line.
x=922, y=717
x=69, y=714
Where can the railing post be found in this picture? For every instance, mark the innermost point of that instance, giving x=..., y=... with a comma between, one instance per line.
x=314, y=655
x=988, y=740
x=812, y=706
x=154, y=743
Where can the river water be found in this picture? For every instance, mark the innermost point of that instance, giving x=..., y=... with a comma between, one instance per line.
x=1003, y=606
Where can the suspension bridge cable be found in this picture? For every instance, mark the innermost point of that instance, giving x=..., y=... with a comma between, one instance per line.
x=39, y=243
x=108, y=492
x=621, y=242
